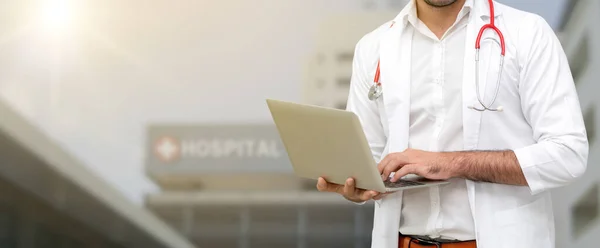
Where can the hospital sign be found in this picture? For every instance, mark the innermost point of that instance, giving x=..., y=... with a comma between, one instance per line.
x=215, y=148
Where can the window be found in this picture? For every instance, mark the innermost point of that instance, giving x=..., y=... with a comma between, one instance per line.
x=345, y=57
x=320, y=83
x=320, y=59
x=581, y=59
x=585, y=211
x=590, y=124
x=343, y=82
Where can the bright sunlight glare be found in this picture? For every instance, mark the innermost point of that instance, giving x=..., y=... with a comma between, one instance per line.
x=56, y=15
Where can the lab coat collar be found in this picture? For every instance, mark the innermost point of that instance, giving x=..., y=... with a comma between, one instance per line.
x=481, y=7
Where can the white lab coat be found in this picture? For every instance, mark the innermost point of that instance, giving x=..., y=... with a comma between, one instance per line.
x=541, y=122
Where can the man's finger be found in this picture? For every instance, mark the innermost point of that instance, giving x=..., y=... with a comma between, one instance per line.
x=382, y=163
x=393, y=166
x=321, y=184
x=368, y=195
x=389, y=159
x=324, y=186
x=349, y=187
x=384, y=166
x=405, y=170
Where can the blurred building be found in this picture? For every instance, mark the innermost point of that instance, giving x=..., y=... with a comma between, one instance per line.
x=49, y=199
x=221, y=189
x=330, y=67
x=233, y=186
x=577, y=206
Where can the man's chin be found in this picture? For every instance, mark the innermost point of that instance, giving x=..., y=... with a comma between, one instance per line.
x=440, y=3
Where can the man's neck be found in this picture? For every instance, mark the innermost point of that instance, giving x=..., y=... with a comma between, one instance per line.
x=438, y=19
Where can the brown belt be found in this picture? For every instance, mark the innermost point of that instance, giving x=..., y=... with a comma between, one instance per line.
x=409, y=242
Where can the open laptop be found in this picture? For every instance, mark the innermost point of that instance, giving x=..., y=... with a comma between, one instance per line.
x=330, y=143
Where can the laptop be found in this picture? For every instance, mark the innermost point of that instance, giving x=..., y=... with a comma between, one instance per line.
x=330, y=143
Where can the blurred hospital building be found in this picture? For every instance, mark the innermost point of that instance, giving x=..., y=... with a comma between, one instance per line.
x=50, y=199
x=329, y=70
x=233, y=185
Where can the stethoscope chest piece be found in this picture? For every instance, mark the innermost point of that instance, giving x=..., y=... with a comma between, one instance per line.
x=375, y=92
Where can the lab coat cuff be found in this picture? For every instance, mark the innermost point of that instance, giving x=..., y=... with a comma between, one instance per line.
x=530, y=169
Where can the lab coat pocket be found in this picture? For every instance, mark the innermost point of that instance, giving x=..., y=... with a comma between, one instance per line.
x=524, y=226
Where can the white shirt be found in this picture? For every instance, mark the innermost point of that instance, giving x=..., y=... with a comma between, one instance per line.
x=436, y=125
x=541, y=122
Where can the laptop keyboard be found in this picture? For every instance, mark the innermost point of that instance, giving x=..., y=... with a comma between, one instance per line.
x=401, y=183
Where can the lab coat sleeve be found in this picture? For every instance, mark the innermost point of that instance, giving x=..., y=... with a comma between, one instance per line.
x=551, y=106
x=363, y=71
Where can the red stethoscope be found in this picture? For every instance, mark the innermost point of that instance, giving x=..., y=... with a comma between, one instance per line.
x=376, y=90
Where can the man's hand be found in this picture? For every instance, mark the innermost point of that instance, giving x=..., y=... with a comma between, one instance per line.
x=348, y=190
x=430, y=165
x=483, y=166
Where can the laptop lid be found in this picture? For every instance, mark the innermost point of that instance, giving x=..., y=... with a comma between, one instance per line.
x=325, y=142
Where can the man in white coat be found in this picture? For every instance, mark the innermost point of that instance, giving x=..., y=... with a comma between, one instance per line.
x=501, y=162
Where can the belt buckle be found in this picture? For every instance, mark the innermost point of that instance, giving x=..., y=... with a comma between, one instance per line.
x=422, y=241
